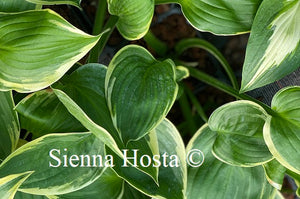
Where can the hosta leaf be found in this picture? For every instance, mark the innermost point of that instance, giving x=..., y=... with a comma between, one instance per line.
x=139, y=91
x=15, y=5
x=130, y=193
x=281, y=132
x=45, y=156
x=275, y=173
x=10, y=184
x=42, y=113
x=81, y=116
x=107, y=186
x=171, y=179
x=21, y=195
x=9, y=125
x=273, y=48
x=240, y=134
x=55, y=2
x=231, y=182
x=135, y=16
x=220, y=16
x=86, y=87
x=29, y=43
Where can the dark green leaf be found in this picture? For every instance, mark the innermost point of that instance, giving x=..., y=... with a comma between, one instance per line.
x=9, y=125
x=15, y=5
x=42, y=113
x=139, y=91
x=56, y=2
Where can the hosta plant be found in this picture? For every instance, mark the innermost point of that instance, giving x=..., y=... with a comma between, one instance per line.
x=102, y=131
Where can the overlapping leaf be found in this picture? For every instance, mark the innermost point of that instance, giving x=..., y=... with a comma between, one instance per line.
x=87, y=85
x=281, y=131
x=240, y=134
x=9, y=125
x=135, y=16
x=52, y=174
x=55, y=2
x=220, y=16
x=275, y=173
x=15, y=5
x=172, y=174
x=10, y=184
x=37, y=48
x=273, y=49
x=107, y=186
x=139, y=91
x=231, y=182
x=42, y=113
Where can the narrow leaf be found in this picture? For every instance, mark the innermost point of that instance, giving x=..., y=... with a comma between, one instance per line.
x=42, y=113
x=29, y=41
x=9, y=125
x=139, y=91
x=273, y=49
x=52, y=159
x=220, y=17
x=10, y=184
x=231, y=182
x=135, y=16
x=240, y=139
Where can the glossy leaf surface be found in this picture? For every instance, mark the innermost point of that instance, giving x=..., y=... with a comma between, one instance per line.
x=9, y=125
x=135, y=16
x=29, y=41
x=139, y=91
x=240, y=139
x=213, y=174
x=52, y=173
x=56, y=2
x=220, y=16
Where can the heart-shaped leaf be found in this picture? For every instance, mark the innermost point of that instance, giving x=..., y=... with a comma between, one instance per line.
x=9, y=125
x=240, y=139
x=29, y=43
x=208, y=180
x=56, y=2
x=139, y=91
x=10, y=184
x=172, y=166
x=42, y=113
x=273, y=49
x=135, y=16
x=52, y=159
x=281, y=131
x=15, y=5
x=220, y=16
